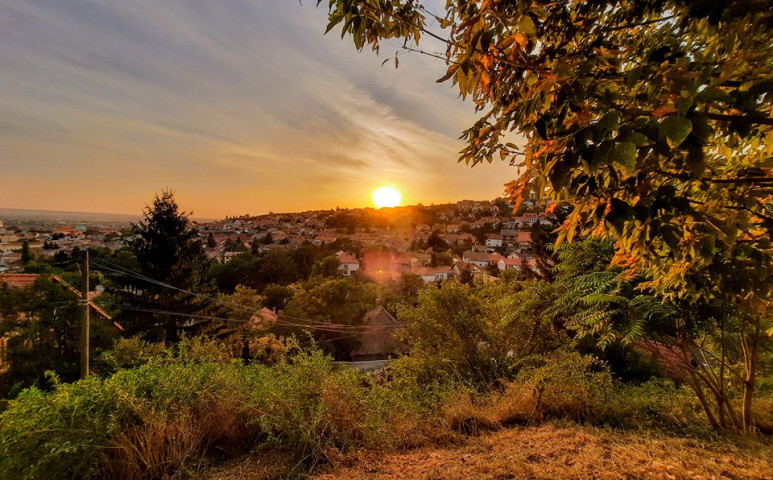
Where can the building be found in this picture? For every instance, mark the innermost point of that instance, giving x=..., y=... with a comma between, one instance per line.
x=378, y=341
x=433, y=274
x=510, y=263
x=348, y=263
x=494, y=240
x=480, y=259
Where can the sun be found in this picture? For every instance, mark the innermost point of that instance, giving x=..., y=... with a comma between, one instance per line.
x=386, y=197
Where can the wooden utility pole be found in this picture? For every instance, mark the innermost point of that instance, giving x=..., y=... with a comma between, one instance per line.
x=85, y=321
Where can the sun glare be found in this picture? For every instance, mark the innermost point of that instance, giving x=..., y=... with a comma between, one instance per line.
x=386, y=197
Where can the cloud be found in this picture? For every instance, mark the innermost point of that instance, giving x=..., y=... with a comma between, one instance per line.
x=239, y=105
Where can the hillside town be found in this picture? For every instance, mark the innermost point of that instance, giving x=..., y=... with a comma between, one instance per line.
x=437, y=242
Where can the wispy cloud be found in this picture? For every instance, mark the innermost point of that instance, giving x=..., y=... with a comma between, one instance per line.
x=241, y=106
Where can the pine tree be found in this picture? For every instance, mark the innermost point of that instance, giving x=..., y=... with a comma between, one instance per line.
x=168, y=251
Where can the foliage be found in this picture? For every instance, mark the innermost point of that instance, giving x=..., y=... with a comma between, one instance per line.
x=472, y=333
x=242, y=269
x=327, y=267
x=41, y=322
x=277, y=266
x=276, y=296
x=154, y=420
x=328, y=307
x=128, y=352
x=653, y=118
x=171, y=262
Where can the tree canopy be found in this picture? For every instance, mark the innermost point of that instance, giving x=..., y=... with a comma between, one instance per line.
x=168, y=253
x=652, y=116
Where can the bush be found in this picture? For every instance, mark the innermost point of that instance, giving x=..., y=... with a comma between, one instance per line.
x=151, y=421
x=658, y=403
x=478, y=334
x=76, y=431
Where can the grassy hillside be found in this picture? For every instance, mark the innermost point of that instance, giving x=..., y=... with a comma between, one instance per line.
x=556, y=450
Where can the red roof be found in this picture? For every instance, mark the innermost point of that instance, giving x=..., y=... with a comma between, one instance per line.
x=18, y=280
x=345, y=258
x=524, y=237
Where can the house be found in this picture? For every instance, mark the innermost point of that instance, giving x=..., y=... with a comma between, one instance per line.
x=228, y=256
x=510, y=263
x=480, y=259
x=456, y=238
x=18, y=280
x=402, y=262
x=348, y=263
x=64, y=230
x=322, y=239
x=461, y=266
x=377, y=341
x=433, y=274
x=523, y=239
x=509, y=235
x=11, y=259
x=494, y=240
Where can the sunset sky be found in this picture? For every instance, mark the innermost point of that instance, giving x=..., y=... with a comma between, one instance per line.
x=240, y=106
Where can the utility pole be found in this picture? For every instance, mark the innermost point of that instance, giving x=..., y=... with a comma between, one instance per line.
x=84, y=347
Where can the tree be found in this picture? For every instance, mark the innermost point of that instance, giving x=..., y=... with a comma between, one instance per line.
x=478, y=333
x=40, y=322
x=277, y=266
x=653, y=118
x=327, y=267
x=234, y=245
x=329, y=308
x=275, y=297
x=445, y=259
x=26, y=253
x=242, y=269
x=172, y=261
x=211, y=243
x=410, y=284
x=435, y=242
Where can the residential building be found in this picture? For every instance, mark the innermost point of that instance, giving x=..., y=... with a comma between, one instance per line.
x=348, y=263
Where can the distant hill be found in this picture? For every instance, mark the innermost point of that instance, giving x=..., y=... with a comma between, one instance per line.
x=14, y=215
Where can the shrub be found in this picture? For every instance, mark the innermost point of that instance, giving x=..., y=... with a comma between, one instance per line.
x=151, y=421
x=74, y=431
x=477, y=334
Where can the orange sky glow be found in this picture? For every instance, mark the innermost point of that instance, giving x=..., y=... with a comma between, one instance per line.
x=239, y=107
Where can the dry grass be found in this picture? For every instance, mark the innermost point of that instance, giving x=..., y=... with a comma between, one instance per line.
x=552, y=452
x=259, y=466
x=160, y=448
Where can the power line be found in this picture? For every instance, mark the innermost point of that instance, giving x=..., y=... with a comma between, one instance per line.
x=136, y=275
x=326, y=327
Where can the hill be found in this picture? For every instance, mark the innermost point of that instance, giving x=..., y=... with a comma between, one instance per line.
x=17, y=214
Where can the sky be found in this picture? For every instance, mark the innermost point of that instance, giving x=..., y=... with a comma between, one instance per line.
x=239, y=106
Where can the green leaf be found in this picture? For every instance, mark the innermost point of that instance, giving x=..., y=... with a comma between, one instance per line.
x=526, y=26
x=675, y=129
x=638, y=139
x=624, y=154
x=701, y=127
x=610, y=121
